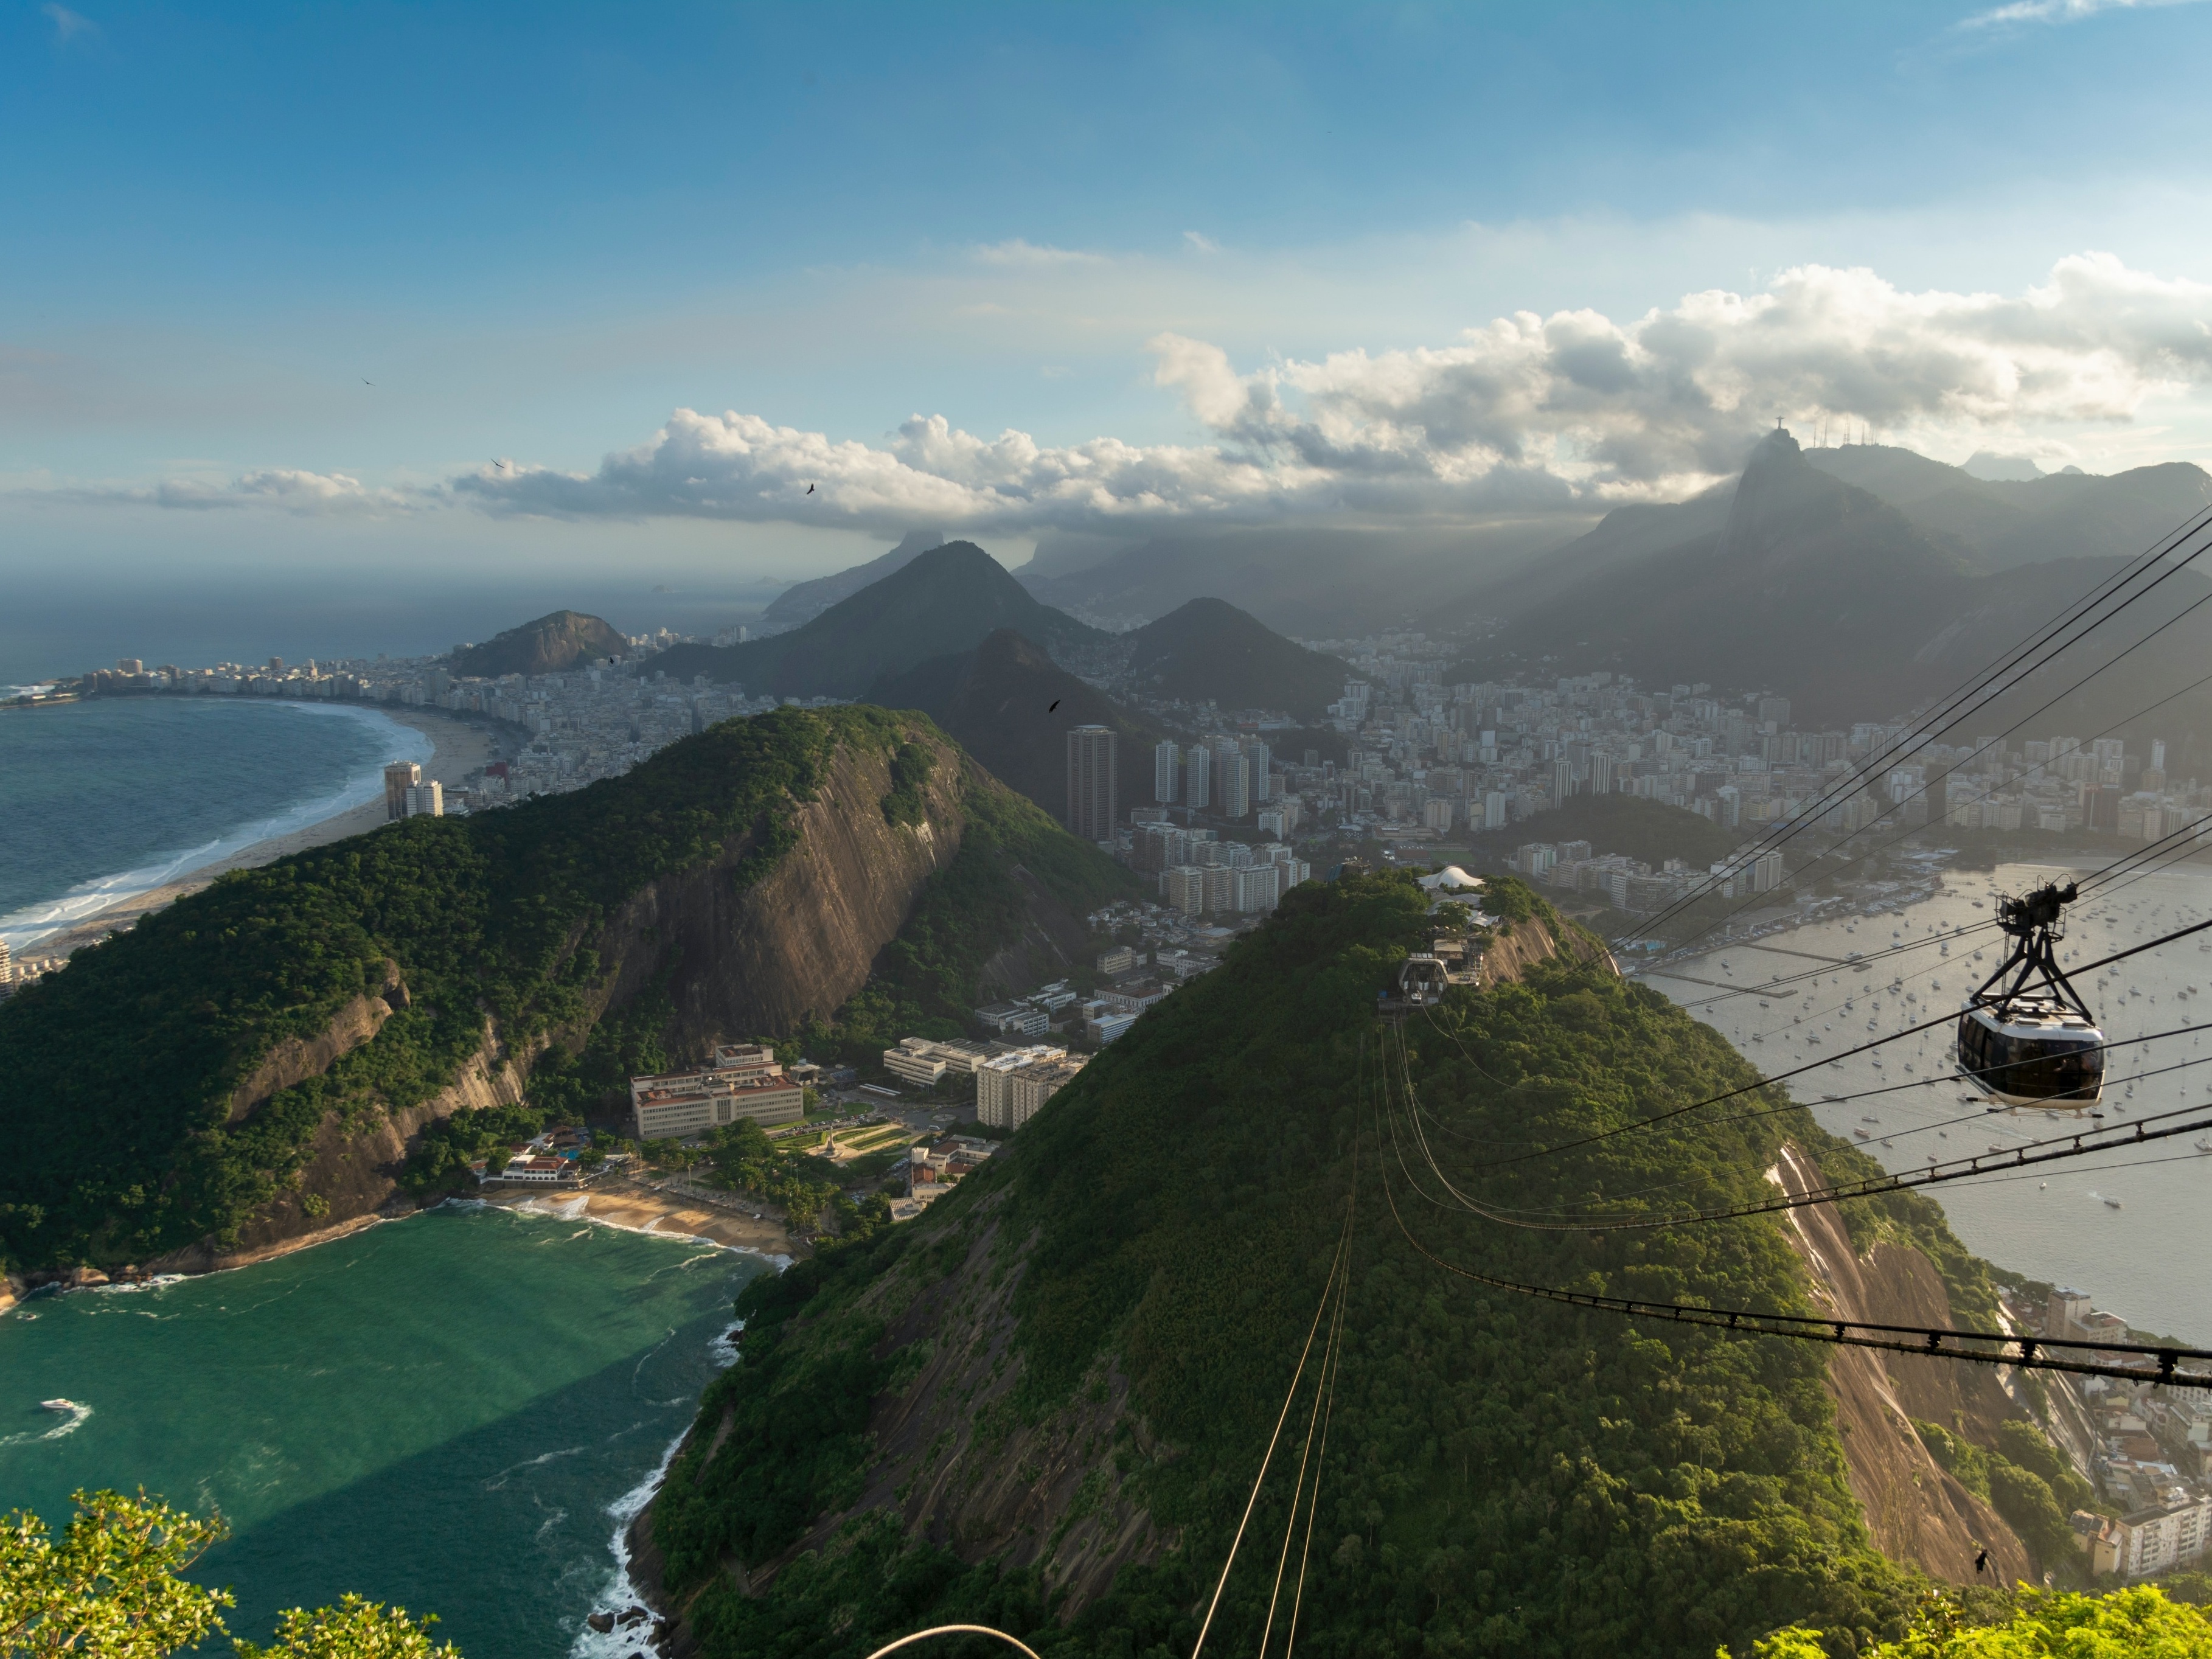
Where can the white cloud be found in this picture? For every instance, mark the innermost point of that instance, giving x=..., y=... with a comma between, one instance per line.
x=2056, y=11
x=68, y=25
x=288, y=488
x=1525, y=414
x=1021, y=253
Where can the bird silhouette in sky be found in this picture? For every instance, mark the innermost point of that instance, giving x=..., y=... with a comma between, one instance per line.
x=1055, y=703
x=810, y=489
x=369, y=383
x=502, y=466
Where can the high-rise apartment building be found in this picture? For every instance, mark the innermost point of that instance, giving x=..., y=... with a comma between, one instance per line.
x=1232, y=778
x=1091, y=782
x=1258, y=778
x=399, y=778
x=1167, y=761
x=427, y=800
x=1198, y=777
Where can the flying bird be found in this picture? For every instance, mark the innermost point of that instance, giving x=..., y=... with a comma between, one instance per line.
x=502, y=466
x=1055, y=703
x=369, y=383
x=810, y=489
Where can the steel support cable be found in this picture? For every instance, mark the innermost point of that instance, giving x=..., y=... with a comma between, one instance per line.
x=1321, y=1466
x=1341, y=1285
x=1947, y=1079
x=2029, y=1353
x=2112, y=1138
x=2033, y=1154
x=1815, y=1066
x=1981, y=1116
x=1920, y=728
x=1804, y=818
x=1343, y=1247
x=1917, y=1083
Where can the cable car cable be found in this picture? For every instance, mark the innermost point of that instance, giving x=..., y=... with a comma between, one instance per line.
x=1339, y=1262
x=1921, y=729
x=1815, y=1066
x=2029, y=1353
x=1804, y=818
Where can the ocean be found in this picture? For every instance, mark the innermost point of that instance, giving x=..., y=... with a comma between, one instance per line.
x=2127, y=1226
x=105, y=800
x=457, y=1412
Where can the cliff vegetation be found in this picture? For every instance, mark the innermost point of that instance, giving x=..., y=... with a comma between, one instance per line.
x=1043, y=1405
x=177, y=1082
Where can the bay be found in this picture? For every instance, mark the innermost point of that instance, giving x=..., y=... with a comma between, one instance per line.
x=444, y=1412
x=2139, y=1260
x=105, y=800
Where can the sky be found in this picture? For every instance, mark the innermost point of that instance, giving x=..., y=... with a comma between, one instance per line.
x=336, y=300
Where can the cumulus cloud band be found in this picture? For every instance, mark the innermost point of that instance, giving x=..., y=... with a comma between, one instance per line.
x=1527, y=414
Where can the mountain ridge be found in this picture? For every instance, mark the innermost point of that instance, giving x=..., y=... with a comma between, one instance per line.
x=548, y=645
x=941, y=602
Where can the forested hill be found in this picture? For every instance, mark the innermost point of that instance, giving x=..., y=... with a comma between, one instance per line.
x=253, y=1062
x=1042, y=1406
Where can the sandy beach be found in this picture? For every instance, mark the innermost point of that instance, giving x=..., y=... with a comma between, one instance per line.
x=647, y=1209
x=461, y=748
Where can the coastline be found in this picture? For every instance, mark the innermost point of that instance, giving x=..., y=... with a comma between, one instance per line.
x=635, y=1206
x=459, y=750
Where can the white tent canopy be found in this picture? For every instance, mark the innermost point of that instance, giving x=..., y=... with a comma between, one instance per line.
x=1451, y=876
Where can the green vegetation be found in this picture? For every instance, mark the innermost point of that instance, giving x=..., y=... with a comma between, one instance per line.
x=110, y=1586
x=2023, y=1496
x=1505, y=1476
x=117, y=1075
x=550, y=645
x=747, y=1161
x=1208, y=650
x=2129, y=1624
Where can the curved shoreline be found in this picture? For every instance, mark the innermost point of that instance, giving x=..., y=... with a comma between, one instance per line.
x=459, y=750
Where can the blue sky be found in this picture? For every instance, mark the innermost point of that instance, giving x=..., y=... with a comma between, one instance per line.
x=1229, y=241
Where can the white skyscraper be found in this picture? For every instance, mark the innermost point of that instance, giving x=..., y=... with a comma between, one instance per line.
x=426, y=800
x=1167, y=761
x=1198, y=777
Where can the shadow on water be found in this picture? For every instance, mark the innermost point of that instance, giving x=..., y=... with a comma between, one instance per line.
x=503, y=1531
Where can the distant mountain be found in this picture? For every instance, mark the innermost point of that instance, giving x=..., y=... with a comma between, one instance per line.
x=548, y=645
x=939, y=604
x=997, y=701
x=805, y=601
x=1800, y=582
x=1209, y=649
x=2000, y=524
x=1808, y=586
x=1320, y=583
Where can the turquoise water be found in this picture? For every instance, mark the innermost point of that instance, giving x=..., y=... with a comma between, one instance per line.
x=103, y=799
x=442, y=1412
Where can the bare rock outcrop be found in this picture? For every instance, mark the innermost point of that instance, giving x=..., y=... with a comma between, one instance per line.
x=1915, y=1510
x=1516, y=948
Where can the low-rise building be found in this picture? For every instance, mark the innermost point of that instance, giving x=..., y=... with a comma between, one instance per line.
x=918, y=1060
x=744, y=1082
x=1010, y=1088
x=546, y=1169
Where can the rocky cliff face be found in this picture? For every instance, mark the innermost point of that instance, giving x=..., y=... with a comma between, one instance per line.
x=1915, y=1510
x=741, y=958
x=797, y=943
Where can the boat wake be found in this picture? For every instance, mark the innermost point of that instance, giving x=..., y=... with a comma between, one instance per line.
x=77, y=1415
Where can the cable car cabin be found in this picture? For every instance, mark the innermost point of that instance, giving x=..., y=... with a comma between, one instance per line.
x=2032, y=1051
x=1421, y=982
